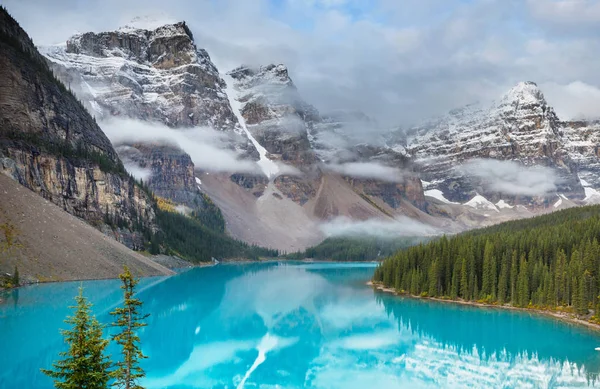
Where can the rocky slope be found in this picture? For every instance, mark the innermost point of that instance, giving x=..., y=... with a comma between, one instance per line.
x=50, y=144
x=312, y=167
x=155, y=75
x=56, y=246
x=158, y=74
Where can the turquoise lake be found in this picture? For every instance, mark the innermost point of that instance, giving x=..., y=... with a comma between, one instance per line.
x=303, y=325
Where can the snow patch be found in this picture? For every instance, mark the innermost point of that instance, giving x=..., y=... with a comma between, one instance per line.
x=438, y=194
x=480, y=202
x=591, y=193
x=583, y=182
x=558, y=203
x=503, y=204
x=269, y=167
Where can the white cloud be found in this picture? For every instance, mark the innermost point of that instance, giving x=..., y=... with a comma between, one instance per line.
x=575, y=100
x=387, y=228
x=566, y=11
x=372, y=170
x=397, y=61
x=207, y=148
x=511, y=177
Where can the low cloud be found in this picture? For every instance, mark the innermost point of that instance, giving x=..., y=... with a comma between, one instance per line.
x=386, y=228
x=369, y=170
x=576, y=100
x=137, y=171
x=511, y=177
x=209, y=149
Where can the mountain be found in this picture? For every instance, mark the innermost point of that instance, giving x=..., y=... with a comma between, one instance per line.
x=58, y=171
x=153, y=75
x=52, y=145
x=57, y=246
x=312, y=168
x=158, y=74
x=521, y=127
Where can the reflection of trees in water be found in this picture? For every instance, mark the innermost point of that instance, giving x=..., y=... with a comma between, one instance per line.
x=495, y=331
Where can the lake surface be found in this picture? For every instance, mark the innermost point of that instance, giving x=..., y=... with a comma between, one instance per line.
x=303, y=325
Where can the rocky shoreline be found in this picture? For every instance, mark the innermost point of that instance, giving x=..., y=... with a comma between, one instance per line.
x=563, y=316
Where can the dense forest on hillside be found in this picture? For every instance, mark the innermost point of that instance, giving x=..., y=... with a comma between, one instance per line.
x=548, y=262
x=198, y=236
x=189, y=238
x=355, y=248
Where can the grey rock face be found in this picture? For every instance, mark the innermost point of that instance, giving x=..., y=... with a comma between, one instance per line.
x=521, y=127
x=50, y=143
x=156, y=75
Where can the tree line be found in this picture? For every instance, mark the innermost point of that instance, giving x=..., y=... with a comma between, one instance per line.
x=547, y=262
x=85, y=363
x=355, y=248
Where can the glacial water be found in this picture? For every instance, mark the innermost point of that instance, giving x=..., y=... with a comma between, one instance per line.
x=300, y=325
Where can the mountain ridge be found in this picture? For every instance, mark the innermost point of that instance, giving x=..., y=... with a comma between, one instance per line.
x=298, y=150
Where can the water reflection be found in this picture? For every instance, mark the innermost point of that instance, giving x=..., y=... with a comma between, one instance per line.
x=303, y=325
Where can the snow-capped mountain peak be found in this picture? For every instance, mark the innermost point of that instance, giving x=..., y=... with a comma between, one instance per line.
x=149, y=22
x=525, y=93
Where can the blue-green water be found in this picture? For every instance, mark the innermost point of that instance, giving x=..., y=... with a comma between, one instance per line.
x=303, y=325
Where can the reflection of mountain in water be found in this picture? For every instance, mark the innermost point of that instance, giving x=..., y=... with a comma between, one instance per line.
x=309, y=325
x=488, y=331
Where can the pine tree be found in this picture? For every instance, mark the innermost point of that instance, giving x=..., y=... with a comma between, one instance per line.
x=464, y=280
x=486, y=281
x=85, y=364
x=128, y=319
x=454, y=284
x=15, y=280
x=513, y=277
x=503, y=281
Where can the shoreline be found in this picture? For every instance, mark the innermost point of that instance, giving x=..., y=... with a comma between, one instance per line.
x=176, y=270
x=562, y=316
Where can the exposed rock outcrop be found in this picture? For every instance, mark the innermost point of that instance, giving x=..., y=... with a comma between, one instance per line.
x=521, y=127
x=154, y=75
x=50, y=143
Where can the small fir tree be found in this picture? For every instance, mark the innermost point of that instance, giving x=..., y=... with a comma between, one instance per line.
x=85, y=364
x=15, y=280
x=128, y=318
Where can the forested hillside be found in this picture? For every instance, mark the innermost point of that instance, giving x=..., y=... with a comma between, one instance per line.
x=196, y=237
x=547, y=262
x=355, y=249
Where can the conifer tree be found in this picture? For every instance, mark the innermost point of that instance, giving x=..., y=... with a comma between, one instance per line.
x=503, y=281
x=15, y=280
x=84, y=365
x=128, y=318
x=464, y=280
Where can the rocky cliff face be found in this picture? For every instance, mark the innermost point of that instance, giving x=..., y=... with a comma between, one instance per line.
x=50, y=143
x=521, y=127
x=295, y=133
x=154, y=75
x=170, y=170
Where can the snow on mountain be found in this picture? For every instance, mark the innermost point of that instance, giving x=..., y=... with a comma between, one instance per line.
x=148, y=22
x=520, y=127
x=504, y=205
x=269, y=167
x=437, y=194
x=480, y=202
x=155, y=74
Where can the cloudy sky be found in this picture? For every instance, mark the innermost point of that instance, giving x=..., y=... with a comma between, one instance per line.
x=397, y=60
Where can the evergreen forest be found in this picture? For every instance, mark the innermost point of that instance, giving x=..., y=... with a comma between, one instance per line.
x=547, y=262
